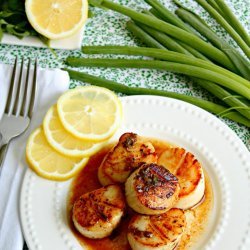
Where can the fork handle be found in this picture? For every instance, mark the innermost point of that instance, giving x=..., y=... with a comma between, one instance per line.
x=3, y=151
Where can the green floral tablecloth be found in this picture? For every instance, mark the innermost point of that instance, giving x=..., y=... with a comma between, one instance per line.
x=108, y=27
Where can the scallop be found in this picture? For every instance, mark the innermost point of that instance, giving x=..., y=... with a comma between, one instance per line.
x=157, y=232
x=188, y=170
x=130, y=153
x=96, y=214
x=152, y=189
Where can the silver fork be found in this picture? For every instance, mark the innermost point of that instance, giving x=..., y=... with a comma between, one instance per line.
x=19, y=107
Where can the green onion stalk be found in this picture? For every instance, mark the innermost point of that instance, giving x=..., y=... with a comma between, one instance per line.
x=233, y=101
x=232, y=20
x=184, y=14
x=178, y=33
x=189, y=50
x=240, y=63
x=141, y=34
x=209, y=106
x=164, y=55
x=185, y=69
x=219, y=18
x=167, y=15
x=165, y=40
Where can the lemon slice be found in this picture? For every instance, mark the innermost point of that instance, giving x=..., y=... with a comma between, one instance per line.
x=62, y=141
x=56, y=19
x=90, y=112
x=46, y=162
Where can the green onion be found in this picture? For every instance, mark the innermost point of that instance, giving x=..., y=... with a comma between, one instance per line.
x=216, y=90
x=169, y=66
x=164, y=39
x=167, y=41
x=188, y=48
x=225, y=25
x=156, y=14
x=231, y=18
x=193, y=51
x=240, y=63
x=209, y=106
x=215, y=6
x=147, y=39
x=226, y=96
x=202, y=46
x=164, y=55
x=187, y=9
x=167, y=15
x=211, y=2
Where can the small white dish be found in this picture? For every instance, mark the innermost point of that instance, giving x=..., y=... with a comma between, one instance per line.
x=72, y=42
x=222, y=154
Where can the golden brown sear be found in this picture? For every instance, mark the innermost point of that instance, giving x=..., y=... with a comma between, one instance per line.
x=172, y=158
x=97, y=213
x=152, y=189
x=189, y=171
x=130, y=153
x=157, y=232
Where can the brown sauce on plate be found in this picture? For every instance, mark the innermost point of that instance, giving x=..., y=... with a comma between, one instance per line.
x=87, y=181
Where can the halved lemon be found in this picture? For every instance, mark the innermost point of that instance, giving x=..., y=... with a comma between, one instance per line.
x=56, y=19
x=90, y=112
x=48, y=163
x=64, y=142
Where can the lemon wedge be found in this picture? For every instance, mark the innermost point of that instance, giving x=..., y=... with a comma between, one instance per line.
x=62, y=141
x=56, y=19
x=48, y=163
x=90, y=112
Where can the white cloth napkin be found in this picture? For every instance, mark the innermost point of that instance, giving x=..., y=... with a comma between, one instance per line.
x=50, y=85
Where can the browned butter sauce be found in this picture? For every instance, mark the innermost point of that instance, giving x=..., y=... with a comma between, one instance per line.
x=87, y=181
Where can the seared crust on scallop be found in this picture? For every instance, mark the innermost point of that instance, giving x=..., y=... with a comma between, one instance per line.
x=97, y=213
x=157, y=232
x=152, y=189
x=130, y=153
x=190, y=174
x=172, y=158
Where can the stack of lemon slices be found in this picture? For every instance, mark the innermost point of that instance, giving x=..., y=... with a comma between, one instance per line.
x=75, y=128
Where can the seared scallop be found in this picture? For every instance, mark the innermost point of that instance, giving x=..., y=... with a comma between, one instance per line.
x=152, y=189
x=157, y=232
x=130, y=153
x=97, y=213
x=189, y=171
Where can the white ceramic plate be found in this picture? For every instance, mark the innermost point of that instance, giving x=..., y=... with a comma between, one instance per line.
x=72, y=42
x=223, y=155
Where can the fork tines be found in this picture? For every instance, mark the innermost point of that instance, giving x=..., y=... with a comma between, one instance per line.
x=22, y=92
